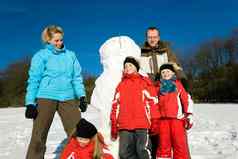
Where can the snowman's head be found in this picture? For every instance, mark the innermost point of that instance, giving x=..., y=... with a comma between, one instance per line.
x=114, y=51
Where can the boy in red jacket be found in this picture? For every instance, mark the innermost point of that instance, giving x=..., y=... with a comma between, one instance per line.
x=86, y=143
x=175, y=106
x=134, y=107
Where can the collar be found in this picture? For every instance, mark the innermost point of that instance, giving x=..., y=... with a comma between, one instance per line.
x=130, y=76
x=55, y=50
x=168, y=86
x=160, y=48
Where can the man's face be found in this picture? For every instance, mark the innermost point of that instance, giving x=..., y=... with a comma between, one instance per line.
x=153, y=37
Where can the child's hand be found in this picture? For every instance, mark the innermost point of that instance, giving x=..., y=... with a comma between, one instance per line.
x=188, y=121
x=114, y=132
x=154, y=128
x=176, y=66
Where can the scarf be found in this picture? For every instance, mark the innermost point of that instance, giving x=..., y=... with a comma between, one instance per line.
x=167, y=86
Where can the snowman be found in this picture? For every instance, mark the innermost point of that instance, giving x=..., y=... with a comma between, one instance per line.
x=112, y=54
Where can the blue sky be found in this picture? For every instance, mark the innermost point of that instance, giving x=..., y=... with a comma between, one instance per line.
x=88, y=24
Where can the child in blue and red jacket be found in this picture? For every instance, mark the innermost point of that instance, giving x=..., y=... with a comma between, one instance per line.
x=176, y=110
x=133, y=109
x=86, y=143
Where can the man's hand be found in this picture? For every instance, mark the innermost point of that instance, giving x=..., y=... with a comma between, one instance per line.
x=176, y=66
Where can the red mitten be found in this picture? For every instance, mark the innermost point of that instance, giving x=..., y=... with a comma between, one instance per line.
x=114, y=132
x=154, y=128
x=188, y=121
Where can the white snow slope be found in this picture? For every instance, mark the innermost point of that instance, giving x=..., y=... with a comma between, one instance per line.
x=214, y=135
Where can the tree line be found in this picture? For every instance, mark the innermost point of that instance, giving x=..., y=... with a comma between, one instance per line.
x=212, y=70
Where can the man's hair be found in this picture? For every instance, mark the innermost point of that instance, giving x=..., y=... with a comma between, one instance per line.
x=152, y=28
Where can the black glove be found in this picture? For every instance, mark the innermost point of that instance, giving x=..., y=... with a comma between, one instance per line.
x=31, y=111
x=83, y=104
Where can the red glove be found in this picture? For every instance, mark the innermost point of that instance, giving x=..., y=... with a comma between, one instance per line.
x=114, y=131
x=188, y=121
x=154, y=128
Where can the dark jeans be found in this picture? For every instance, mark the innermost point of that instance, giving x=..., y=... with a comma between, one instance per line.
x=134, y=144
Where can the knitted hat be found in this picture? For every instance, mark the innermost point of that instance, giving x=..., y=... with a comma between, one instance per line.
x=133, y=61
x=167, y=66
x=85, y=129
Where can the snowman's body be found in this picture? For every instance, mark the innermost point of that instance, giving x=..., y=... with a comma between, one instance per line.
x=112, y=54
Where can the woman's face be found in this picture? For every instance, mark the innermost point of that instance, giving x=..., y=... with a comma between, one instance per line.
x=57, y=40
x=83, y=141
x=129, y=68
x=167, y=74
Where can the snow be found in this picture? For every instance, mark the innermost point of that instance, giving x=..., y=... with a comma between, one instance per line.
x=214, y=135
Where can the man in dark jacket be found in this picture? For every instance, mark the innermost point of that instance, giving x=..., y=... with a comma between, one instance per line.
x=155, y=53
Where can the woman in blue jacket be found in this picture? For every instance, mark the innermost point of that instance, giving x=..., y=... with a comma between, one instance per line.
x=55, y=83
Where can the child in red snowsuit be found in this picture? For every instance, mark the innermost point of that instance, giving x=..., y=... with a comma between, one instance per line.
x=86, y=143
x=133, y=108
x=175, y=106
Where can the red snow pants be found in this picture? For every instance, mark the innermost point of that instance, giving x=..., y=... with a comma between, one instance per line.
x=172, y=139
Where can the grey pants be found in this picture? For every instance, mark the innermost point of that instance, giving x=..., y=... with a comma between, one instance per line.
x=69, y=114
x=134, y=144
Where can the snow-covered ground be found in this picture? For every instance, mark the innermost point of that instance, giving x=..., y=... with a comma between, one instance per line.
x=214, y=135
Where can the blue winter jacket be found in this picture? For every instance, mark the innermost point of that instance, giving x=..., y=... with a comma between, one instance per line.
x=54, y=74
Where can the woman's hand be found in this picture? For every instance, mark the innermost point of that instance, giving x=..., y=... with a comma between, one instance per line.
x=31, y=111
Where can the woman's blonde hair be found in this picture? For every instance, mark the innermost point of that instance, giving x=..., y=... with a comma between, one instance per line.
x=49, y=31
x=99, y=144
